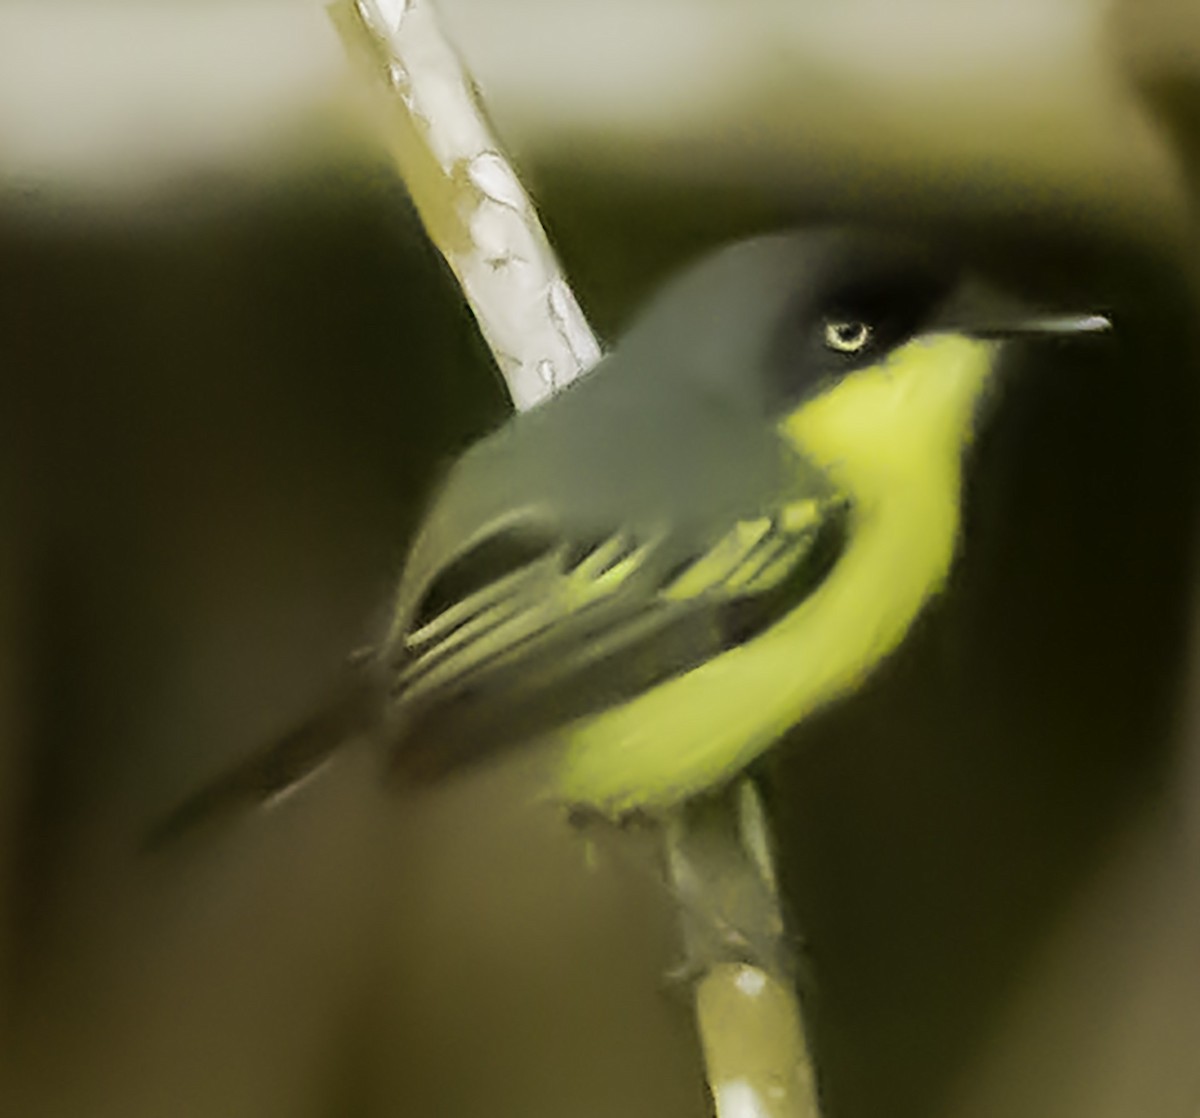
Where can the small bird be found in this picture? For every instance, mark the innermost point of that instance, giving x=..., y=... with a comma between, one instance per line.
x=727, y=525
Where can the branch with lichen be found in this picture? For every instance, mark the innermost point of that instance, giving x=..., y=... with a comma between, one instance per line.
x=717, y=850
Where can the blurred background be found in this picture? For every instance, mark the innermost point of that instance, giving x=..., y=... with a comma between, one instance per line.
x=232, y=366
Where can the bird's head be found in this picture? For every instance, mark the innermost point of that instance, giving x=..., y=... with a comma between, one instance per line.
x=867, y=351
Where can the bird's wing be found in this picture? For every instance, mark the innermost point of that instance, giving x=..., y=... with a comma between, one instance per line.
x=579, y=628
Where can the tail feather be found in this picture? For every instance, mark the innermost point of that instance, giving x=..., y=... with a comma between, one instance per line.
x=351, y=711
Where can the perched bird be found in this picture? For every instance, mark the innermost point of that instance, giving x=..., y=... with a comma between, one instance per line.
x=727, y=525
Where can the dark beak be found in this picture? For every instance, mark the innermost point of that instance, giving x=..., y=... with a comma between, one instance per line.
x=982, y=311
x=1044, y=325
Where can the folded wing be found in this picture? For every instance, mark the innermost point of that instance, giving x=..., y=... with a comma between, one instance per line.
x=585, y=625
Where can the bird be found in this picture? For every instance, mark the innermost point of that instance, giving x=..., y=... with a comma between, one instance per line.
x=728, y=525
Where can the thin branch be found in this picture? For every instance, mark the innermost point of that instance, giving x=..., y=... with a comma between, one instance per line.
x=722, y=869
x=718, y=850
x=469, y=197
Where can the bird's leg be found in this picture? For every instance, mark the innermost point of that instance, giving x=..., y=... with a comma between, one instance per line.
x=604, y=833
x=720, y=869
x=720, y=876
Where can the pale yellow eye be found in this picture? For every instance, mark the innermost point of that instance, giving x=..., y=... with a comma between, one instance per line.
x=847, y=337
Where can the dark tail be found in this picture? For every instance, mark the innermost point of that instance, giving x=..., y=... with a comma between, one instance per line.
x=352, y=710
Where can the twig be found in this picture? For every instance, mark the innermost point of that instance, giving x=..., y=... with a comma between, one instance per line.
x=472, y=204
x=718, y=851
x=722, y=869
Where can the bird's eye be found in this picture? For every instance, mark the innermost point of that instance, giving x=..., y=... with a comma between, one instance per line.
x=847, y=336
